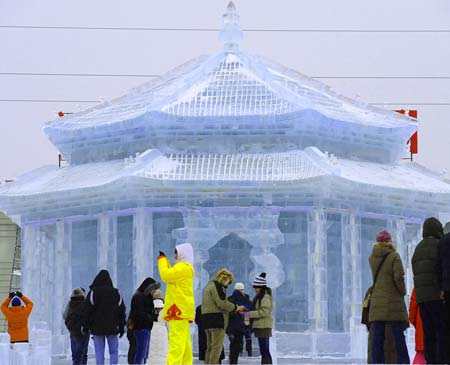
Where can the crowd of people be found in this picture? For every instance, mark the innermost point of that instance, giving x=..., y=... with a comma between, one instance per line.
x=100, y=313
x=429, y=304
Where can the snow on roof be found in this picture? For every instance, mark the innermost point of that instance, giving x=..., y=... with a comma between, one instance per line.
x=261, y=168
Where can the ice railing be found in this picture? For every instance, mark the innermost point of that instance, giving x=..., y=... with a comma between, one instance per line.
x=235, y=167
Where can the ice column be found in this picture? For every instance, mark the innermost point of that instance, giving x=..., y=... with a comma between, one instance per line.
x=107, y=244
x=63, y=273
x=397, y=229
x=317, y=270
x=351, y=267
x=142, y=246
x=31, y=263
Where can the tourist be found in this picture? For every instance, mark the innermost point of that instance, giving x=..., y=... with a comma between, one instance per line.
x=17, y=316
x=201, y=334
x=75, y=318
x=416, y=321
x=428, y=293
x=443, y=278
x=179, y=302
x=387, y=299
x=201, y=337
x=159, y=339
x=106, y=317
x=141, y=318
x=215, y=313
x=261, y=316
x=236, y=327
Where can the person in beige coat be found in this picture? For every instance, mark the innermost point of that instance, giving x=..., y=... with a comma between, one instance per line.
x=387, y=305
x=215, y=311
x=261, y=316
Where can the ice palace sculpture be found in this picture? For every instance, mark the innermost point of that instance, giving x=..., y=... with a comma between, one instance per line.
x=260, y=167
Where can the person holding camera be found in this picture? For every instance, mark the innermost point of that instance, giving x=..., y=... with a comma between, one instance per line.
x=17, y=309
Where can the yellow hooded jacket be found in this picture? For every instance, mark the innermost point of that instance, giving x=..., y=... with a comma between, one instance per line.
x=179, y=302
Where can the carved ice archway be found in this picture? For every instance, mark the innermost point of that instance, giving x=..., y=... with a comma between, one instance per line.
x=204, y=228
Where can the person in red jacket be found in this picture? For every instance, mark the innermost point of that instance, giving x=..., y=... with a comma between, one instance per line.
x=416, y=321
x=17, y=316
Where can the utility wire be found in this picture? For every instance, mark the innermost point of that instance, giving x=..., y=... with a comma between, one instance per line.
x=156, y=75
x=188, y=29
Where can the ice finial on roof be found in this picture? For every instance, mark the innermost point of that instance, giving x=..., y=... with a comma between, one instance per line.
x=231, y=34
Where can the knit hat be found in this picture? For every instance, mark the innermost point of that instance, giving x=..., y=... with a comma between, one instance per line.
x=384, y=236
x=78, y=293
x=16, y=302
x=239, y=287
x=260, y=280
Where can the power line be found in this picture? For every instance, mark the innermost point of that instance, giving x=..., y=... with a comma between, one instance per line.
x=187, y=29
x=98, y=102
x=382, y=77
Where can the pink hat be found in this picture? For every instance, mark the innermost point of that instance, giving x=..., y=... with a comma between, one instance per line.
x=384, y=236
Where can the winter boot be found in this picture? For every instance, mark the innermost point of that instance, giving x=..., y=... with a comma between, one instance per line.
x=266, y=360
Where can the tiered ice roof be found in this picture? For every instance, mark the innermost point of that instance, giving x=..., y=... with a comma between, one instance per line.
x=234, y=100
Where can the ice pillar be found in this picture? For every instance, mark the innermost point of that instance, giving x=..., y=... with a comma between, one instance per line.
x=142, y=246
x=107, y=244
x=351, y=266
x=31, y=243
x=63, y=273
x=317, y=270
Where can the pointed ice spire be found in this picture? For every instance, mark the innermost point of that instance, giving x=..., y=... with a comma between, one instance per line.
x=231, y=34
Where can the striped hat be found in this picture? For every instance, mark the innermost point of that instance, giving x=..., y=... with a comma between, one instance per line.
x=260, y=280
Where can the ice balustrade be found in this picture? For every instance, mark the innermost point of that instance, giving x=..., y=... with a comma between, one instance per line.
x=234, y=167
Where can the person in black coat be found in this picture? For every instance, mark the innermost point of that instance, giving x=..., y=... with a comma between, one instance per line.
x=443, y=279
x=202, y=336
x=236, y=325
x=75, y=319
x=106, y=316
x=140, y=321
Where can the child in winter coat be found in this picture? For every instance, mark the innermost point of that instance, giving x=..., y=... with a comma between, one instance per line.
x=75, y=318
x=179, y=308
x=416, y=321
x=261, y=316
x=159, y=340
x=17, y=316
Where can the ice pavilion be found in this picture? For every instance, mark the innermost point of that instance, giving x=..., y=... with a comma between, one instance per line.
x=260, y=167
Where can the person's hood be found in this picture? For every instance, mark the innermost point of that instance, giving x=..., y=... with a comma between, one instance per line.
x=185, y=253
x=158, y=294
x=383, y=248
x=149, y=290
x=224, y=277
x=432, y=228
x=146, y=283
x=102, y=279
x=78, y=293
x=447, y=228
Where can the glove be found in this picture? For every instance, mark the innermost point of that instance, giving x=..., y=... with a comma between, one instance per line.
x=19, y=294
x=12, y=295
x=121, y=332
x=162, y=254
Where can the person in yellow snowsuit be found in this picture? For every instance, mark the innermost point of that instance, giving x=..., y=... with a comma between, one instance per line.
x=179, y=307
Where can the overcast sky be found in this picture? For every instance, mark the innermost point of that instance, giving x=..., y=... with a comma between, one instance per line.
x=66, y=55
